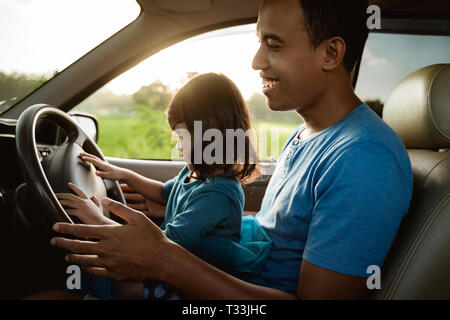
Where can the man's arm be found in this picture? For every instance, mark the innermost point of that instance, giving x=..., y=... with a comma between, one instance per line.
x=197, y=279
x=139, y=250
x=187, y=271
x=317, y=283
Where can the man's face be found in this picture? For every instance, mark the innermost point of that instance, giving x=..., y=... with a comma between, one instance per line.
x=289, y=65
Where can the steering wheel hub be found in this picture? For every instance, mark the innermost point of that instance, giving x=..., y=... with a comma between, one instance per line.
x=63, y=166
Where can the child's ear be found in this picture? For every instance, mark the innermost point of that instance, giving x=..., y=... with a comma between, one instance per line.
x=333, y=53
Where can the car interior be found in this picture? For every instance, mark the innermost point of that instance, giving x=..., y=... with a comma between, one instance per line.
x=40, y=141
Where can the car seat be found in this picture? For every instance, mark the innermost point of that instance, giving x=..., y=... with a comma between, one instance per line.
x=418, y=263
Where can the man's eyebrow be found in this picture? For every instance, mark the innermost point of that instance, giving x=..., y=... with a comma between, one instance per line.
x=273, y=36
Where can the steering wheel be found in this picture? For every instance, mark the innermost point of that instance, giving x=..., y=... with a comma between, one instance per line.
x=62, y=165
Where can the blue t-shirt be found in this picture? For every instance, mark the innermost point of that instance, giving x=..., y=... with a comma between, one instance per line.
x=335, y=199
x=205, y=217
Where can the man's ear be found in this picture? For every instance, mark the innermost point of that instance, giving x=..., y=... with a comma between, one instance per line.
x=333, y=53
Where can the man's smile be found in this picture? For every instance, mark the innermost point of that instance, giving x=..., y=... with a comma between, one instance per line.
x=269, y=85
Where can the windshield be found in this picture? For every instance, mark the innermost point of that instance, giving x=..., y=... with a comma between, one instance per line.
x=40, y=38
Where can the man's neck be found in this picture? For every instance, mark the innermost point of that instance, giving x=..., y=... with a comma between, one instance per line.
x=332, y=107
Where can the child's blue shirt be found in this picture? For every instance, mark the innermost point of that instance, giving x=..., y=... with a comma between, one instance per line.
x=205, y=217
x=202, y=208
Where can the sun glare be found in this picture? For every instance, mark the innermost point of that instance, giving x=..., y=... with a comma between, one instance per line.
x=227, y=51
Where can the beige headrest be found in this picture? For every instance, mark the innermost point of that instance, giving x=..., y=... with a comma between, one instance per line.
x=418, y=108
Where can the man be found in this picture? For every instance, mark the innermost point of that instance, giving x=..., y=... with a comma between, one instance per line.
x=340, y=189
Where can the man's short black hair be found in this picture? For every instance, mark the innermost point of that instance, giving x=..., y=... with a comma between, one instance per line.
x=347, y=19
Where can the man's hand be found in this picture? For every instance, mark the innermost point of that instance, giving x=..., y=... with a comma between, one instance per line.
x=138, y=202
x=89, y=211
x=134, y=251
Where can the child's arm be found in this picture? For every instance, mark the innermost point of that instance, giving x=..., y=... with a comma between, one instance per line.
x=149, y=188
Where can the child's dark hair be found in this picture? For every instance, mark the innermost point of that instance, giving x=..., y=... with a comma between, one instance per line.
x=217, y=102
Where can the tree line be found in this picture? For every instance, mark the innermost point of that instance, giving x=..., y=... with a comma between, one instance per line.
x=15, y=86
x=153, y=97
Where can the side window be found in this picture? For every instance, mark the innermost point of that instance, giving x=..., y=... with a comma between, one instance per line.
x=388, y=58
x=131, y=108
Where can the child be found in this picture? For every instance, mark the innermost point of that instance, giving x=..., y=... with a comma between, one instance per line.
x=202, y=206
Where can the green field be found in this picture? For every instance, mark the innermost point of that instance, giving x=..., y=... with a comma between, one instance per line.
x=137, y=138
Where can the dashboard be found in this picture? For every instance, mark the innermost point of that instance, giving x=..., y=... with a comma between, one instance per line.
x=48, y=137
x=24, y=234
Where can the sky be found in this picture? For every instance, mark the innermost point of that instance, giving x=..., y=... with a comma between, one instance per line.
x=41, y=36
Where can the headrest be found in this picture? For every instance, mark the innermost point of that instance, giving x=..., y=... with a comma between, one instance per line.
x=418, y=108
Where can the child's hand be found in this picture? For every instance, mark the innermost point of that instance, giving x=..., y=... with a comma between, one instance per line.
x=105, y=170
x=89, y=211
x=138, y=202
